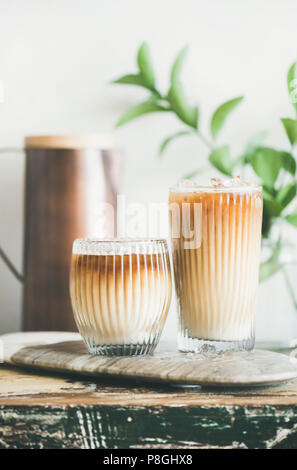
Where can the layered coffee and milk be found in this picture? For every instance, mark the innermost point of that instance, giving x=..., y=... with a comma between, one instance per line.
x=120, y=292
x=216, y=237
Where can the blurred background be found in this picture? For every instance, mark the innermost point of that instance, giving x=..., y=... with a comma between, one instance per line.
x=57, y=58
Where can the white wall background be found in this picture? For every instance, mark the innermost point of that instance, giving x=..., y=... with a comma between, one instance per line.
x=57, y=57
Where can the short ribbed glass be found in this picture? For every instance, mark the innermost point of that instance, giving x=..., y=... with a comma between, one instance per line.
x=120, y=292
x=216, y=238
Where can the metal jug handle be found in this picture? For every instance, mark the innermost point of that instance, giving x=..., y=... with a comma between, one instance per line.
x=3, y=256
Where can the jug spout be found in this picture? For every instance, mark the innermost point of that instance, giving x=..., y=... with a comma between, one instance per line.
x=10, y=266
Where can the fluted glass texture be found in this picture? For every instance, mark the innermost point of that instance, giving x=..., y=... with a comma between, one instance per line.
x=120, y=292
x=216, y=277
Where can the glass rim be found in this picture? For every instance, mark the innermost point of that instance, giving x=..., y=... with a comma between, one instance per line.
x=183, y=187
x=124, y=240
x=119, y=246
x=216, y=190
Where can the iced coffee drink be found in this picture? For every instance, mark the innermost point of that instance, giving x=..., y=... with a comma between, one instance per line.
x=216, y=237
x=120, y=292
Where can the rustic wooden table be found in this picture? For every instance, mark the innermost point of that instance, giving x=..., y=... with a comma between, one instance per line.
x=40, y=410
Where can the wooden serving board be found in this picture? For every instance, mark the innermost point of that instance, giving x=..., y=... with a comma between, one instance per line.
x=66, y=352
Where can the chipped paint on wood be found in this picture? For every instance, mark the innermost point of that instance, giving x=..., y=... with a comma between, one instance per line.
x=40, y=411
x=158, y=427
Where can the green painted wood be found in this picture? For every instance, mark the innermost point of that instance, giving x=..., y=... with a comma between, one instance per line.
x=45, y=410
x=155, y=427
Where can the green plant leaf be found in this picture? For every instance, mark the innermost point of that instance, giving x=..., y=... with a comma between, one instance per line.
x=268, y=269
x=292, y=218
x=169, y=139
x=286, y=194
x=272, y=208
x=254, y=142
x=139, y=110
x=266, y=224
x=266, y=194
x=220, y=158
x=290, y=126
x=130, y=79
x=269, y=193
x=251, y=146
x=145, y=65
x=271, y=266
x=267, y=163
x=177, y=65
x=179, y=104
x=292, y=84
x=288, y=162
x=221, y=113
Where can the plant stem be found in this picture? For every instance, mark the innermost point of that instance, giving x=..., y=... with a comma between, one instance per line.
x=205, y=140
x=289, y=286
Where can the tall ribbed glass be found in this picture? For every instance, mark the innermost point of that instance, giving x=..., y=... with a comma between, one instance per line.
x=216, y=238
x=120, y=292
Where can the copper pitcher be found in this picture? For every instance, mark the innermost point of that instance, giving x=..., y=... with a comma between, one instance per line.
x=66, y=181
